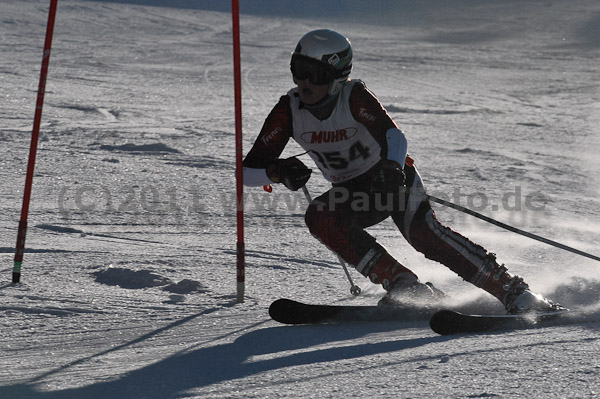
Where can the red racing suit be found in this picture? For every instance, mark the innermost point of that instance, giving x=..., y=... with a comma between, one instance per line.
x=348, y=145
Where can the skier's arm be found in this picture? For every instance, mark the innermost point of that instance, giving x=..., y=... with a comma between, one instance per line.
x=367, y=109
x=271, y=141
x=397, y=146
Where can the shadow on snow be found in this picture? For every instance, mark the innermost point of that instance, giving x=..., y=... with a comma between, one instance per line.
x=258, y=351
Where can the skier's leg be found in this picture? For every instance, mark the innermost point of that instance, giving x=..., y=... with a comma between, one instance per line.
x=421, y=228
x=341, y=229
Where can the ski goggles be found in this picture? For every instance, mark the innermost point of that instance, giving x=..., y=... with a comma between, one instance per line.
x=317, y=72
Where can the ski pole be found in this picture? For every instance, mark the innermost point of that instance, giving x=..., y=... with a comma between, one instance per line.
x=37, y=120
x=354, y=289
x=511, y=228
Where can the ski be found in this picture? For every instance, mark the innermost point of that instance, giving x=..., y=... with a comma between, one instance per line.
x=288, y=311
x=448, y=322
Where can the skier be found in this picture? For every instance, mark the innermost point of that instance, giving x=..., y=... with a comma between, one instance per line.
x=362, y=152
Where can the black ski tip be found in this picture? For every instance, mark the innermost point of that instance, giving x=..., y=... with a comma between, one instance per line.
x=281, y=310
x=446, y=322
x=287, y=311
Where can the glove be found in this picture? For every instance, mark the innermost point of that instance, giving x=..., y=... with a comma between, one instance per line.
x=291, y=172
x=388, y=178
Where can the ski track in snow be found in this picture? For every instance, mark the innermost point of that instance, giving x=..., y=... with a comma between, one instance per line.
x=128, y=282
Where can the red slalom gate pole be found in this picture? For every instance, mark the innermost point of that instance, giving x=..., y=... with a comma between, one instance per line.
x=37, y=120
x=241, y=264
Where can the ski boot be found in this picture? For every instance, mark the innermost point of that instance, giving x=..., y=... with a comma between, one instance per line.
x=411, y=293
x=522, y=300
x=511, y=290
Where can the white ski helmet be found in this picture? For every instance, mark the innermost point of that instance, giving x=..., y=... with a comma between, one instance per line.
x=323, y=56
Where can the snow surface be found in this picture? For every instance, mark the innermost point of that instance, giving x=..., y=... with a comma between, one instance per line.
x=128, y=282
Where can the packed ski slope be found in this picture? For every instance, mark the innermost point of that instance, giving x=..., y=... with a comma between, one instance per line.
x=128, y=282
